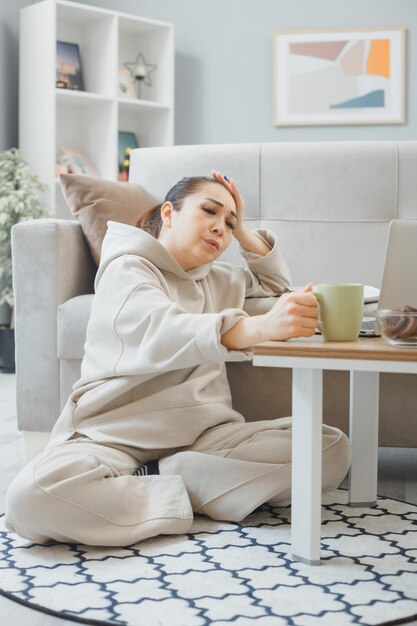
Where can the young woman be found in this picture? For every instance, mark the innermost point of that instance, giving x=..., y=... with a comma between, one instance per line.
x=148, y=435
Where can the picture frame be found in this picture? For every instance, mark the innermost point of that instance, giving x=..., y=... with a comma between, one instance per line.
x=125, y=86
x=68, y=66
x=339, y=76
x=127, y=141
x=76, y=161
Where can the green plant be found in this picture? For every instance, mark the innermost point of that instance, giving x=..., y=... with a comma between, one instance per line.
x=20, y=199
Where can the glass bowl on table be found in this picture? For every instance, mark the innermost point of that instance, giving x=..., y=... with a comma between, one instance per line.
x=398, y=327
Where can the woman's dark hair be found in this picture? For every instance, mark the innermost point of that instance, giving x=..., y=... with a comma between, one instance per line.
x=151, y=220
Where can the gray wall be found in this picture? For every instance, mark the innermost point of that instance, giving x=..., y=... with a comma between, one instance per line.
x=224, y=63
x=9, y=70
x=217, y=99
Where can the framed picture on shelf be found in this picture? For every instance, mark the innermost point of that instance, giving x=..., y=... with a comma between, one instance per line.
x=76, y=161
x=126, y=88
x=342, y=76
x=127, y=143
x=68, y=66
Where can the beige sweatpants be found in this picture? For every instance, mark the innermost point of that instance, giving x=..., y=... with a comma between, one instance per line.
x=84, y=492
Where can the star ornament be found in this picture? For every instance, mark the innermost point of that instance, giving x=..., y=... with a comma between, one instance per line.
x=140, y=69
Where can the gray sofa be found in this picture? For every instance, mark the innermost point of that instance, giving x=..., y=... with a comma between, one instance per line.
x=330, y=203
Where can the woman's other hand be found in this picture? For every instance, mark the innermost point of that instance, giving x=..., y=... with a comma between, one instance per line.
x=248, y=240
x=240, y=205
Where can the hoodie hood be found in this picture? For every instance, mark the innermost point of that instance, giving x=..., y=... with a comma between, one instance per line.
x=121, y=239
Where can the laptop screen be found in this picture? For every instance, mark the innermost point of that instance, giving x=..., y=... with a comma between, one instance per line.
x=399, y=282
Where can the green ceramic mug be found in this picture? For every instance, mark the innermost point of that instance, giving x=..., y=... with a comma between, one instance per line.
x=340, y=310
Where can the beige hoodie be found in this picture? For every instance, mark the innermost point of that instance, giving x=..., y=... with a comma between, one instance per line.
x=153, y=374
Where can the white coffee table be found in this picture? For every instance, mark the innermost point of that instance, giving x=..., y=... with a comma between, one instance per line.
x=365, y=359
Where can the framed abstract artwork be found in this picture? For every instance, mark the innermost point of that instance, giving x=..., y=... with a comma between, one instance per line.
x=343, y=76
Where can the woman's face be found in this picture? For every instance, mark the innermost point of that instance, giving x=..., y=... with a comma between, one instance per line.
x=202, y=229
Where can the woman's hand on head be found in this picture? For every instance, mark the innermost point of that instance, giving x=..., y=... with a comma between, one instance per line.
x=229, y=184
x=294, y=315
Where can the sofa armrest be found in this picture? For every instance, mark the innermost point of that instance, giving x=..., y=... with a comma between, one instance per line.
x=51, y=263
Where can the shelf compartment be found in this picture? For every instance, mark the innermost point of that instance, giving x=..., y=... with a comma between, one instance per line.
x=95, y=32
x=152, y=127
x=91, y=128
x=156, y=42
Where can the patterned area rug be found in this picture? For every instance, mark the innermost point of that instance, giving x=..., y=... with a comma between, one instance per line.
x=230, y=574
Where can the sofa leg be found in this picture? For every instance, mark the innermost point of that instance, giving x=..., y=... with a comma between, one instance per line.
x=33, y=442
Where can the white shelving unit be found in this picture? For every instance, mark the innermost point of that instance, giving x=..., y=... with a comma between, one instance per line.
x=51, y=118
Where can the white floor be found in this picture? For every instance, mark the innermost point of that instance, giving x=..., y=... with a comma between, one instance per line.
x=11, y=458
x=397, y=478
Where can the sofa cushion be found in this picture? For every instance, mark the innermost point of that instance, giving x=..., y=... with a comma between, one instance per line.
x=73, y=316
x=332, y=252
x=239, y=161
x=407, y=180
x=94, y=201
x=329, y=181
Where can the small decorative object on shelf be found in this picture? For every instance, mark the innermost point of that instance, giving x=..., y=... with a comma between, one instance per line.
x=127, y=142
x=140, y=70
x=68, y=66
x=126, y=87
x=76, y=162
x=20, y=200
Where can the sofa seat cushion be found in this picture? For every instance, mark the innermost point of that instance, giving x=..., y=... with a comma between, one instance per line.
x=73, y=316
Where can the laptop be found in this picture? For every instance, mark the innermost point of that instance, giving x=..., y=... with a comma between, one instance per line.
x=399, y=282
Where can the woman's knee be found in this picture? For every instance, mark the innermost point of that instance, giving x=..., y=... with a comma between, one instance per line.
x=23, y=502
x=62, y=469
x=30, y=499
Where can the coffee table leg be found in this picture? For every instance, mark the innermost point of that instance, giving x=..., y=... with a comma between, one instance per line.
x=307, y=408
x=363, y=430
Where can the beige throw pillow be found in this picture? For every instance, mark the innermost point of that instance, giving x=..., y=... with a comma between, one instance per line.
x=94, y=201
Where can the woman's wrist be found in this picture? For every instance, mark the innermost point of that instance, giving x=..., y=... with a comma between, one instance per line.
x=251, y=243
x=246, y=333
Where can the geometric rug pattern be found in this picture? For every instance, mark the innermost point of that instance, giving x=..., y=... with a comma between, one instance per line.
x=229, y=574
